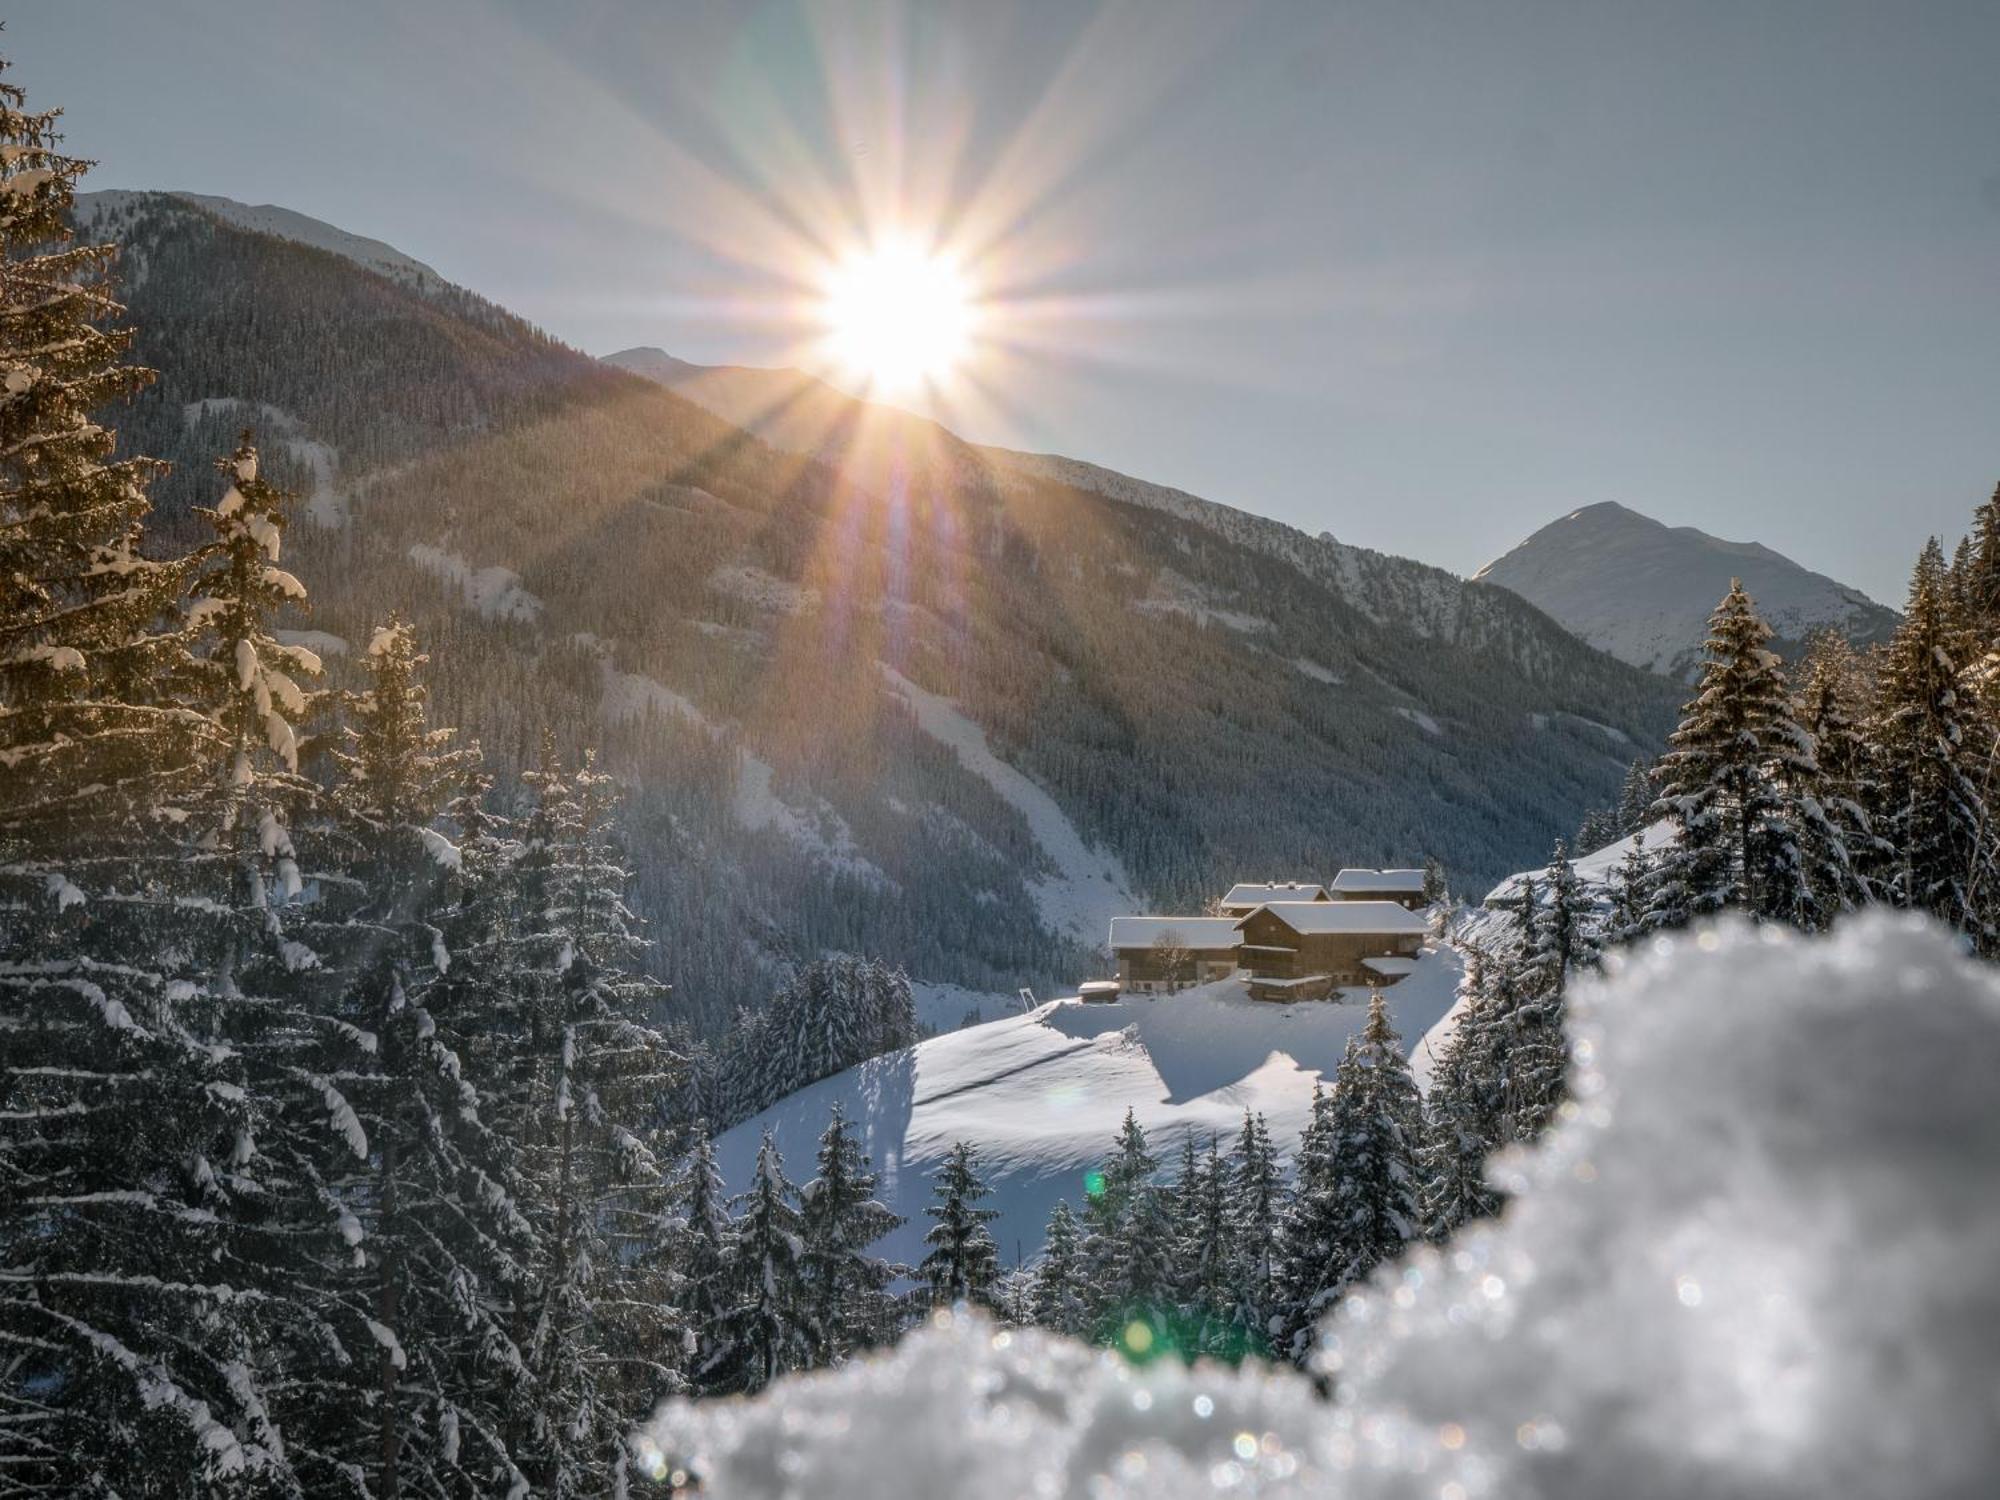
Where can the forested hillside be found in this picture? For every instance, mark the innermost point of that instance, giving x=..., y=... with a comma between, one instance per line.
x=800, y=664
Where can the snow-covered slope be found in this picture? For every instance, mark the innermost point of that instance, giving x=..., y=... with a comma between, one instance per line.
x=1757, y=1262
x=1041, y=1095
x=1643, y=591
x=288, y=224
x=1089, y=886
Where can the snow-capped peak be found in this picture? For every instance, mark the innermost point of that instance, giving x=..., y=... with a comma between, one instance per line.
x=1643, y=591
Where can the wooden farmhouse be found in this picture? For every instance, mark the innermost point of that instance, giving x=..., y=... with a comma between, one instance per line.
x=1165, y=953
x=1305, y=950
x=1290, y=940
x=1404, y=887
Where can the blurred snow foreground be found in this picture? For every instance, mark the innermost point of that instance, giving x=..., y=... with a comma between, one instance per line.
x=1758, y=1257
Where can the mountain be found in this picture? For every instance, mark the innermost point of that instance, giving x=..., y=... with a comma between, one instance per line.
x=1041, y=1095
x=882, y=691
x=1643, y=591
x=268, y=218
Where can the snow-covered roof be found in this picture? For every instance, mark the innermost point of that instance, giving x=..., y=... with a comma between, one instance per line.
x=1393, y=967
x=1253, y=894
x=1346, y=916
x=1397, y=882
x=1190, y=932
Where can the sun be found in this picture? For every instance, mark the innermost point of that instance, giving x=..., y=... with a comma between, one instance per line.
x=898, y=315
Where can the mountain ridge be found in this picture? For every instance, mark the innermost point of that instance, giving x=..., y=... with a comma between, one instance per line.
x=899, y=695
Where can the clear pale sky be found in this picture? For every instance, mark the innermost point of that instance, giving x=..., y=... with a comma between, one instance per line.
x=1425, y=275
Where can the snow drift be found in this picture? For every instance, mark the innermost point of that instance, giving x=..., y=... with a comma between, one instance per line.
x=1753, y=1259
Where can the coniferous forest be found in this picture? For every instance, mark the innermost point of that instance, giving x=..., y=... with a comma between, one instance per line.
x=350, y=1143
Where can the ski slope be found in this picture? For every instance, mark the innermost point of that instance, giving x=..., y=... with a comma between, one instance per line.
x=1041, y=1095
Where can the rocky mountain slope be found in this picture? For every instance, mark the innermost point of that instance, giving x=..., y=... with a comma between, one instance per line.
x=891, y=693
x=1643, y=591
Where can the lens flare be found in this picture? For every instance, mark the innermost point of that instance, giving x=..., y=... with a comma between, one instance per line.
x=898, y=314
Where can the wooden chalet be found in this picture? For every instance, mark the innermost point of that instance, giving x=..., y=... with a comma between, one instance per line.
x=1305, y=950
x=1167, y=953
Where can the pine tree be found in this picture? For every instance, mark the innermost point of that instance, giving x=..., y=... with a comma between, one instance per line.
x=1308, y=1273
x=1377, y=1129
x=1841, y=851
x=697, y=1246
x=1128, y=1240
x=1930, y=735
x=848, y=1287
x=128, y=1135
x=1736, y=748
x=1635, y=799
x=964, y=1264
x=603, y=1343
x=94, y=747
x=767, y=1328
x=1208, y=1258
x=1981, y=581
x=430, y=1346
x=1256, y=1201
x=1059, y=1299
x=1631, y=894
x=1460, y=1120
x=1563, y=941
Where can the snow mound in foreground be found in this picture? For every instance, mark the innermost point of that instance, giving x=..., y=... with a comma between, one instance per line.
x=1754, y=1259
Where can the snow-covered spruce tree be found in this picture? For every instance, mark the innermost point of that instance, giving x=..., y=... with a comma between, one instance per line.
x=1635, y=799
x=434, y=1370
x=1059, y=1299
x=1735, y=755
x=1372, y=1205
x=602, y=1344
x=1207, y=1257
x=92, y=745
x=1929, y=732
x=1307, y=1274
x=696, y=1243
x=963, y=1264
x=1841, y=852
x=892, y=1005
x=1461, y=1114
x=767, y=1327
x=1256, y=1197
x=1631, y=894
x=1980, y=584
x=125, y=1348
x=841, y=1218
x=1565, y=936
x=1128, y=1240
x=1377, y=1118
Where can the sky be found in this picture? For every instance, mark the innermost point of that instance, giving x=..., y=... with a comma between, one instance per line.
x=1425, y=275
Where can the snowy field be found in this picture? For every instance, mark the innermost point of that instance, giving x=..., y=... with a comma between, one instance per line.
x=1754, y=1260
x=1041, y=1095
